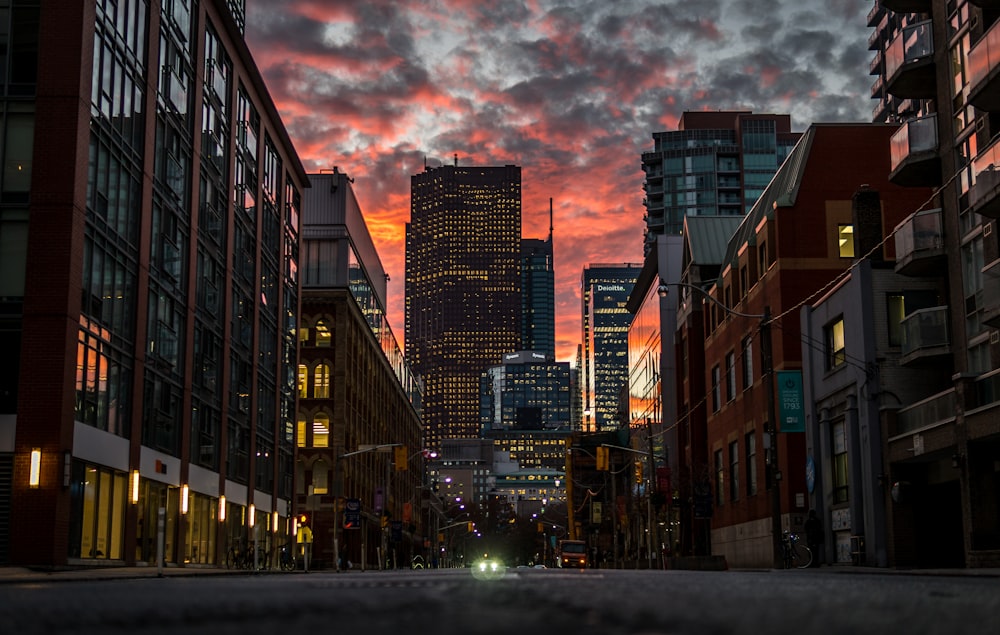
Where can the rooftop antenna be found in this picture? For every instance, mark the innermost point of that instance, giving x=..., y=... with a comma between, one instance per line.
x=456, y=159
x=550, y=219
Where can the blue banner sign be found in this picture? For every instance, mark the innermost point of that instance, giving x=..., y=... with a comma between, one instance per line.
x=791, y=409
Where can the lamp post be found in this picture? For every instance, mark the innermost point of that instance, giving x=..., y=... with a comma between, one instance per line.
x=771, y=428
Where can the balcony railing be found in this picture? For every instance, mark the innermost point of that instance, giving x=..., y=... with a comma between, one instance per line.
x=920, y=243
x=936, y=409
x=909, y=62
x=873, y=13
x=925, y=334
x=984, y=71
x=984, y=195
x=913, y=152
x=991, y=294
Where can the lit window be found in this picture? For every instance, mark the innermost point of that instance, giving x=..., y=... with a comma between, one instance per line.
x=321, y=431
x=845, y=240
x=835, y=353
x=321, y=382
x=303, y=381
x=322, y=334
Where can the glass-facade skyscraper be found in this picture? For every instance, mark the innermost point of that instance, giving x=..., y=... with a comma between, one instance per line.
x=605, y=289
x=714, y=164
x=538, y=296
x=463, y=288
x=525, y=409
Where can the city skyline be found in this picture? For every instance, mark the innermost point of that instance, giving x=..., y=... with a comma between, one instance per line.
x=381, y=91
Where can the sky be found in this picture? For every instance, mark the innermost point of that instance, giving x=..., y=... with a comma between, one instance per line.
x=571, y=91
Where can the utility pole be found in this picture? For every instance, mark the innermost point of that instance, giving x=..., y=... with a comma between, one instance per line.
x=767, y=363
x=571, y=524
x=651, y=530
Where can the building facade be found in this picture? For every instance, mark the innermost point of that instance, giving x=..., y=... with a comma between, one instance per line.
x=714, y=164
x=157, y=203
x=538, y=289
x=358, y=433
x=604, y=292
x=937, y=69
x=463, y=288
x=790, y=249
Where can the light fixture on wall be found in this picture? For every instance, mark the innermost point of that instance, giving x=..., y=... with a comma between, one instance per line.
x=274, y=522
x=222, y=508
x=250, y=519
x=184, y=499
x=135, y=486
x=34, y=475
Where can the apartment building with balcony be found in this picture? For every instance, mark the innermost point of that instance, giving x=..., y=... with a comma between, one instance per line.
x=940, y=60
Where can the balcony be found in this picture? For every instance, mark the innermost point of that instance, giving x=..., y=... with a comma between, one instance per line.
x=936, y=409
x=913, y=150
x=925, y=336
x=909, y=63
x=986, y=4
x=991, y=294
x=984, y=71
x=920, y=244
x=875, y=13
x=984, y=195
x=907, y=6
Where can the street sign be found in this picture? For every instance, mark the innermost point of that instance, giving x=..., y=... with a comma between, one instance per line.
x=790, y=407
x=352, y=513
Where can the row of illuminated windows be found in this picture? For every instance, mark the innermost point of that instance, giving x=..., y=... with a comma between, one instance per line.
x=314, y=384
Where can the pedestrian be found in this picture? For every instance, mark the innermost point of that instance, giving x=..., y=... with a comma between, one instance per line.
x=814, y=537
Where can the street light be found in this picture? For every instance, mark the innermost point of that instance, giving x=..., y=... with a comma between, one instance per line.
x=767, y=373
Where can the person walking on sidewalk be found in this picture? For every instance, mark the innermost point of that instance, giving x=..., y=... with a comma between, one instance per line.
x=814, y=537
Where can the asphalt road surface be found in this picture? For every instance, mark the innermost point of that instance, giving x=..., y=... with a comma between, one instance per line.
x=516, y=601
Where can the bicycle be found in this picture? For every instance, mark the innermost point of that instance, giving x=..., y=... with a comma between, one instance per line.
x=794, y=552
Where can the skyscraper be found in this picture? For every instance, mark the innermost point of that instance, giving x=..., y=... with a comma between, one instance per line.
x=149, y=256
x=605, y=289
x=463, y=287
x=538, y=299
x=714, y=164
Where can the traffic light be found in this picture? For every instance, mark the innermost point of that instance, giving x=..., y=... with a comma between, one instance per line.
x=401, y=458
x=638, y=472
x=603, y=454
x=470, y=526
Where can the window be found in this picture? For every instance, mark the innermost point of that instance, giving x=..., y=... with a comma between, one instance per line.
x=845, y=241
x=321, y=431
x=751, y=448
x=835, y=353
x=300, y=433
x=730, y=376
x=720, y=479
x=747, y=353
x=321, y=381
x=303, y=382
x=839, y=462
x=734, y=470
x=320, y=478
x=716, y=380
x=322, y=334
x=762, y=257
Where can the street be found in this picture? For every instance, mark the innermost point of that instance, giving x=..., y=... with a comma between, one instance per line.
x=519, y=601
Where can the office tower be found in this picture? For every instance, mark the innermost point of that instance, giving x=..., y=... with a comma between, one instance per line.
x=463, y=287
x=604, y=292
x=154, y=216
x=538, y=300
x=349, y=355
x=524, y=408
x=938, y=75
x=714, y=164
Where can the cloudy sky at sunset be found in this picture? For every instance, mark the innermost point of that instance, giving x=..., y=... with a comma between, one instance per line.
x=569, y=90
